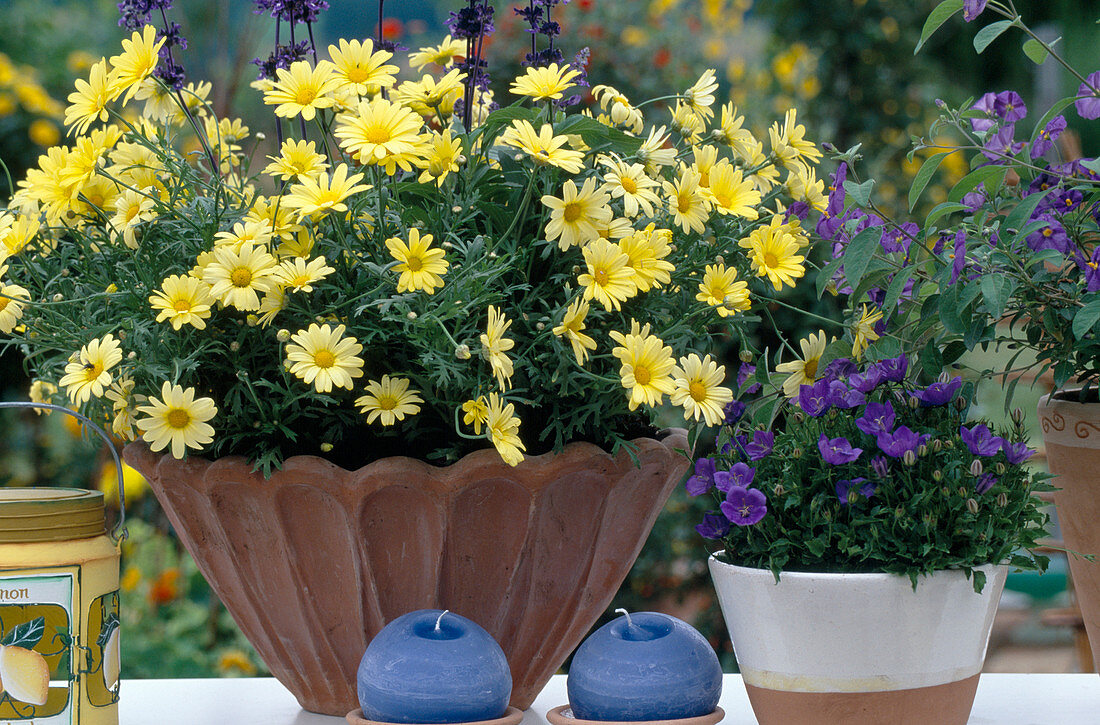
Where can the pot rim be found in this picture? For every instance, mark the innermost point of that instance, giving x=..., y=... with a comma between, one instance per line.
x=1057, y=399
x=841, y=576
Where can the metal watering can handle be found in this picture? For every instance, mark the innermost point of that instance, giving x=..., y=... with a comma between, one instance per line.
x=119, y=533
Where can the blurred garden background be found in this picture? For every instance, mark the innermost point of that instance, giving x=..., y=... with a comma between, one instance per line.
x=847, y=66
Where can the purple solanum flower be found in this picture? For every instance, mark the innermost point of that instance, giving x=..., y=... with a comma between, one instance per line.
x=899, y=442
x=740, y=474
x=844, y=489
x=898, y=239
x=1052, y=236
x=985, y=482
x=1002, y=144
x=1091, y=269
x=799, y=209
x=1088, y=97
x=1016, y=453
x=703, y=479
x=1065, y=201
x=831, y=219
x=837, y=451
x=958, y=256
x=866, y=381
x=815, y=400
x=939, y=393
x=974, y=199
x=985, y=105
x=1044, y=141
x=762, y=443
x=714, y=526
x=980, y=441
x=877, y=418
x=744, y=506
x=973, y=8
x=1009, y=106
x=733, y=411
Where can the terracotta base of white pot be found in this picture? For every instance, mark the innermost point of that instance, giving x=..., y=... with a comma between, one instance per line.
x=511, y=717
x=562, y=715
x=948, y=704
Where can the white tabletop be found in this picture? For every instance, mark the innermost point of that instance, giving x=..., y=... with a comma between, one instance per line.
x=1033, y=699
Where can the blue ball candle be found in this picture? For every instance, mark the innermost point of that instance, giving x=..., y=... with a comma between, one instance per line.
x=644, y=666
x=433, y=666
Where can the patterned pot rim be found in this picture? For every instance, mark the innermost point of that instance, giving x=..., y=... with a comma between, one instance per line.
x=1069, y=423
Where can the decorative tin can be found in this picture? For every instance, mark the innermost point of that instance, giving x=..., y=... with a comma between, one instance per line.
x=59, y=607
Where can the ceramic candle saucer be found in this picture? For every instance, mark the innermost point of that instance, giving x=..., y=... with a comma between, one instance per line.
x=563, y=715
x=511, y=717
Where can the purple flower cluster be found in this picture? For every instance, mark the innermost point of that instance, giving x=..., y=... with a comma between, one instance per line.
x=973, y=8
x=283, y=56
x=134, y=14
x=292, y=11
x=742, y=505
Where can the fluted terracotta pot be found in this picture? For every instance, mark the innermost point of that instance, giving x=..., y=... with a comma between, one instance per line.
x=313, y=562
x=1071, y=433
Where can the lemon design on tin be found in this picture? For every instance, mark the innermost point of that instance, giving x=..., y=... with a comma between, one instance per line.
x=24, y=675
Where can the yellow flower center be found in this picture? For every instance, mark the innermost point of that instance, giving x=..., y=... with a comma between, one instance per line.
x=571, y=212
x=811, y=368
x=600, y=275
x=3, y=303
x=415, y=264
x=698, y=391
x=92, y=372
x=683, y=203
x=378, y=134
x=358, y=74
x=387, y=402
x=178, y=418
x=324, y=359
x=628, y=185
x=241, y=277
x=770, y=260
x=642, y=376
x=182, y=305
x=305, y=96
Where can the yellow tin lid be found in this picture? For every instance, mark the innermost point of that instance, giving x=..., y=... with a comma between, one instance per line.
x=50, y=514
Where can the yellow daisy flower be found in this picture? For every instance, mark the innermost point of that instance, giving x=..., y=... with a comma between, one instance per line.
x=544, y=82
x=699, y=389
x=687, y=123
x=863, y=332
x=256, y=233
x=789, y=143
x=543, y=146
x=803, y=185
x=804, y=371
x=296, y=160
x=431, y=97
x=619, y=110
x=646, y=251
x=183, y=301
x=700, y=97
x=379, y=132
x=421, y=266
x=442, y=55
x=87, y=374
x=178, y=419
x=321, y=356
x=12, y=298
x=136, y=63
x=630, y=183
x=302, y=90
x=767, y=174
x=687, y=202
x=575, y=216
x=89, y=101
x=123, y=405
x=721, y=289
x=653, y=151
x=299, y=275
x=389, y=400
x=441, y=157
x=619, y=228
x=730, y=193
x=360, y=67
x=273, y=302
x=570, y=328
x=647, y=367
x=236, y=277
x=475, y=413
x=503, y=428
x=276, y=215
x=732, y=132
x=16, y=233
x=609, y=279
x=324, y=194
x=773, y=251
x=42, y=391
x=494, y=346
x=132, y=208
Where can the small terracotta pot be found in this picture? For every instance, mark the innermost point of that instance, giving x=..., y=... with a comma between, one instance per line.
x=511, y=717
x=313, y=562
x=1071, y=433
x=562, y=715
x=851, y=649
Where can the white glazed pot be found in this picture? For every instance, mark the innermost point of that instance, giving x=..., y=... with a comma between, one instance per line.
x=858, y=648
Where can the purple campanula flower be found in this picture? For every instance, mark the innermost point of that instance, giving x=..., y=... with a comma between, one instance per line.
x=703, y=479
x=1047, y=136
x=744, y=373
x=1001, y=144
x=1052, y=236
x=744, y=506
x=836, y=451
x=958, y=256
x=815, y=400
x=1016, y=453
x=733, y=412
x=845, y=397
x=735, y=446
x=740, y=474
x=939, y=393
x=984, y=104
x=762, y=443
x=1009, y=106
x=985, y=482
x=893, y=369
x=973, y=8
x=899, y=239
x=866, y=381
x=877, y=418
x=881, y=466
x=844, y=488
x=714, y=526
x=900, y=442
x=980, y=440
x=841, y=367
x=1088, y=101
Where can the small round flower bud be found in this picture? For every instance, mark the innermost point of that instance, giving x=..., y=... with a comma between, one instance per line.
x=462, y=352
x=326, y=447
x=242, y=375
x=447, y=245
x=937, y=445
x=58, y=297
x=853, y=496
x=937, y=475
x=945, y=490
x=234, y=346
x=779, y=490
x=922, y=450
x=899, y=513
x=1002, y=499
x=111, y=288
x=972, y=506
x=962, y=491
x=976, y=468
x=122, y=334
x=540, y=326
x=720, y=259
x=65, y=272
x=909, y=459
x=576, y=269
x=960, y=404
x=131, y=355
x=1017, y=416
x=796, y=453
x=914, y=403
x=1000, y=468
x=929, y=519
x=282, y=335
x=260, y=135
x=252, y=320
x=827, y=515
x=456, y=209
x=492, y=255
x=411, y=315
x=798, y=417
x=745, y=356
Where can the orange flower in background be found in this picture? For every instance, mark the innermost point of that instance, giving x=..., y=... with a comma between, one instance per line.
x=661, y=58
x=392, y=28
x=166, y=587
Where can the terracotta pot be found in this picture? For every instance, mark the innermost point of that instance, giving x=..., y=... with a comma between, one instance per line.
x=851, y=649
x=313, y=562
x=1071, y=433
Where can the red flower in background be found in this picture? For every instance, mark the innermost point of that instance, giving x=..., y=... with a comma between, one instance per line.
x=585, y=5
x=392, y=28
x=661, y=58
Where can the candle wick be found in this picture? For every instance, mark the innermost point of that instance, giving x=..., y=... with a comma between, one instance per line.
x=445, y=613
x=626, y=614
